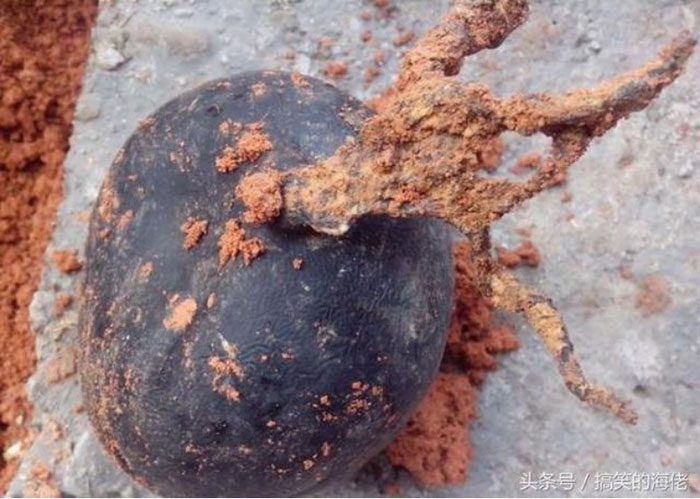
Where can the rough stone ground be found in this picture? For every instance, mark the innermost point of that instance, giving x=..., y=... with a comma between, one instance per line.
x=635, y=206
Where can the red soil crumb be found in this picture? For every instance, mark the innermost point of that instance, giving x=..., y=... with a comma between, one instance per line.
x=259, y=89
x=261, y=196
x=61, y=304
x=525, y=254
x=366, y=36
x=40, y=483
x=233, y=242
x=181, y=315
x=251, y=249
x=528, y=162
x=223, y=368
x=382, y=4
x=336, y=70
x=249, y=149
x=371, y=74
x=66, y=261
x=229, y=127
x=299, y=81
x=297, y=263
x=434, y=448
x=62, y=366
x=654, y=295
x=193, y=230
x=404, y=38
x=43, y=46
x=108, y=203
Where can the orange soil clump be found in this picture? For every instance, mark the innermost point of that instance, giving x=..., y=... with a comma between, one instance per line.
x=259, y=89
x=43, y=45
x=66, y=261
x=528, y=162
x=250, y=148
x=404, y=38
x=336, y=70
x=228, y=367
x=41, y=483
x=525, y=254
x=299, y=81
x=261, y=196
x=434, y=447
x=223, y=368
x=193, y=230
x=654, y=295
x=61, y=304
x=181, y=315
x=233, y=242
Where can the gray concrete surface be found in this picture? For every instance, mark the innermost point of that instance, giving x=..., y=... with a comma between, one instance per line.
x=636, y=203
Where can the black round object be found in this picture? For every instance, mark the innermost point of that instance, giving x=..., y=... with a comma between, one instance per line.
x=272, y=380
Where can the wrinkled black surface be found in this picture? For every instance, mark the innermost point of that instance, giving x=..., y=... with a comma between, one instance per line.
x=372, y=307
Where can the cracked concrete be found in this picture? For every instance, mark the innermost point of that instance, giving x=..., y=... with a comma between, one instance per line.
x=635, y=201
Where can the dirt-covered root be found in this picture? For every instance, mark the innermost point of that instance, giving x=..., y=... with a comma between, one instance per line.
x=470, y=27
x=424, y=153
x=511, y=296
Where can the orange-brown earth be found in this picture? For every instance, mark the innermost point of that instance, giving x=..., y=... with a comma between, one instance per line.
x=44, y=44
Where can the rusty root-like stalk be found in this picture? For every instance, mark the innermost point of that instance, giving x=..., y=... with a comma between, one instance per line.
x=422, y=156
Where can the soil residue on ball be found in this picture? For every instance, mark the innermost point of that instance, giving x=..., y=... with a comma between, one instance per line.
x=234, y=242
x=181, y=315
x=193, y=230
x=44, y=46
x=250, y=148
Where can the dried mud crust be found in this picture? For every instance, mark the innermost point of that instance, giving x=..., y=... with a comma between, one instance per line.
x=44, y=45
